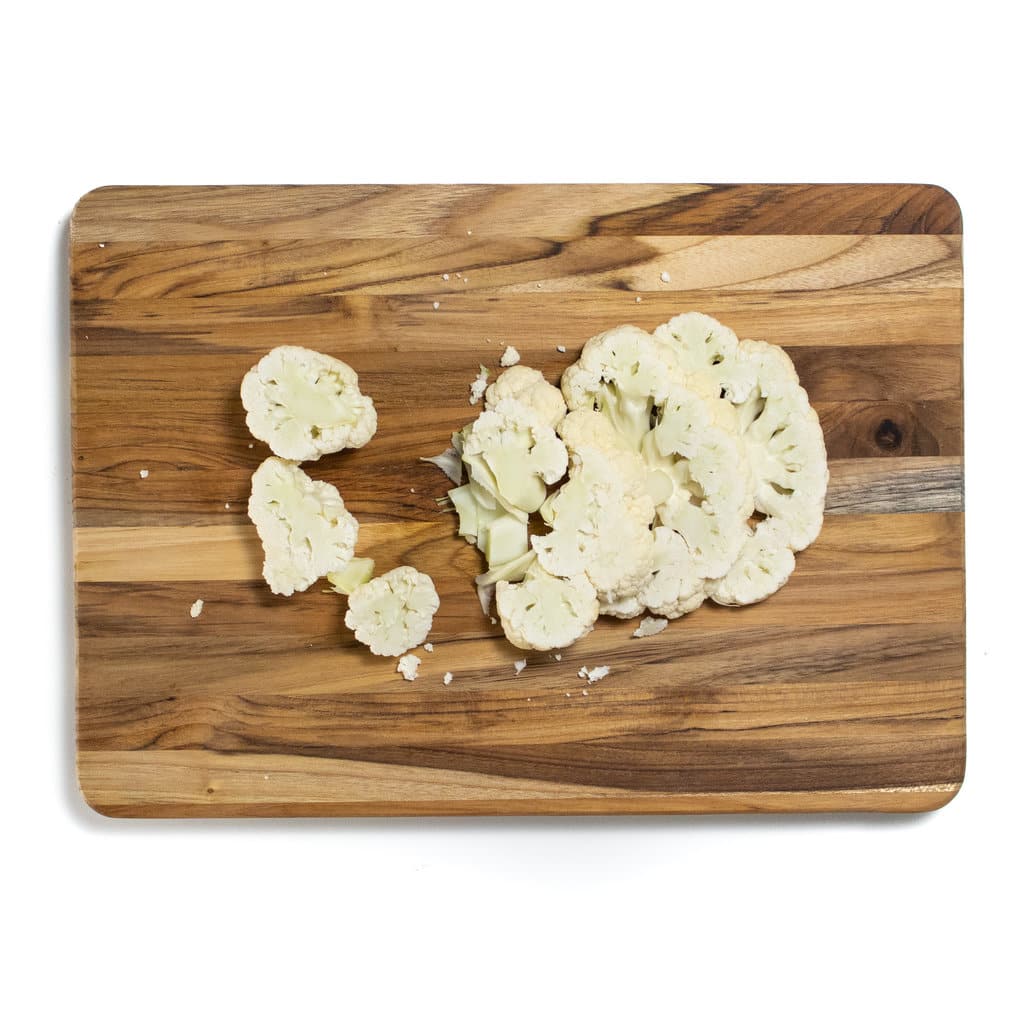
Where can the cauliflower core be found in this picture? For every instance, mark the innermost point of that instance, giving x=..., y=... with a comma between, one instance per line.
x=303, y=525
x=394, y=612
x=305, y=404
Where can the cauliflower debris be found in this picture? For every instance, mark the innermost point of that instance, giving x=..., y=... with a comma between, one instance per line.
x=650, y=627
x=409, y=666
x=303, y=525
x=429, y=648
x=519, y=665
x=449, y=462
x=357, y=572
x=197, y=608
x=594, y=674
x=143, y=473
x=479, y=385
x=509, y=357
x=393, y=612
x=448, y=677
x=305, y=404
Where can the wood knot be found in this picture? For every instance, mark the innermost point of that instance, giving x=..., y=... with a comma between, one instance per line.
x=888, y=436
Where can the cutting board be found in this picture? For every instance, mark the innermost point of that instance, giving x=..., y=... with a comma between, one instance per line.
x=845, y=691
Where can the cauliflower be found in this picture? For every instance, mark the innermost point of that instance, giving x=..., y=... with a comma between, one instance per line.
x=305, y=404
x=393, y=612
x=676, y=585
x=357, y=572
x=511, y=456
x=528, y=387
x=623, y=374
x=544, y=612
x=303, y=525
x=409, y=667
x=764, y=564
x=510, y=357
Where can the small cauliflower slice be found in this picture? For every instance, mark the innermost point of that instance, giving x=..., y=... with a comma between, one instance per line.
x=512, y=456
x=528, y=387
x=676, y=586
x=544, y=612
x=303, y=524
x=357, y=572
x=394, y=612
x=623, y=374
x=764, y=564
x=305, y=404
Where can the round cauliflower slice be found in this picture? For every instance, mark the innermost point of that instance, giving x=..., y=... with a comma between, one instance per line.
x=394, y=612
x=764, y=564
x=527, y=386
x=303, y=524
x=544, y=612
x=305, y=404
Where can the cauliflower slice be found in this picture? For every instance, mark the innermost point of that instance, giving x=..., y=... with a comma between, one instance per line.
x=600, y=525
x=305, y=404
x=544, y=612
x=357, y=572
x=622, y=373
x=764, y=564
x=394, y=612
x=512, y=456
x=712, y=498
x=528, y=387
x=676, y=586
x=303, y=525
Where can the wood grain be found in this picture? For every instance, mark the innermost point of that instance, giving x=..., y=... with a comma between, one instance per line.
x=844, y=691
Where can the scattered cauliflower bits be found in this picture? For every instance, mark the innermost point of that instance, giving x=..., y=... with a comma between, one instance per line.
x=479, y=385
x=305, y=404
x=695, y=465
x=509, y=357
x=409, y=667
x=393, y=612
x=197, y=608
x=303, y=524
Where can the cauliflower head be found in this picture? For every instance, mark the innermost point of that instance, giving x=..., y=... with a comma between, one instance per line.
x=305, y=404
x=544, y=612
x=303, y=524
x=393, y=612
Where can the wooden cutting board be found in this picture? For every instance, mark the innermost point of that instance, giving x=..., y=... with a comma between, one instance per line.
x=844, y=691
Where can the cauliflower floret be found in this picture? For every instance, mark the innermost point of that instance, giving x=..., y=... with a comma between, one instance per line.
x=623, y=374
x=676, y=586
x=512, y=456
x=764, y=564
x=393, y=612
x=528, y=387
x=305, y=404
x=713, y=493
x=305, y=529
x=544, y=612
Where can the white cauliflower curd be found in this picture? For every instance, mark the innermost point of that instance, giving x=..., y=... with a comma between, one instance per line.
x=304, y=404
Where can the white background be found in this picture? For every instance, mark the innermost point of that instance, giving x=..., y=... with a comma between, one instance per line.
x=729, y=919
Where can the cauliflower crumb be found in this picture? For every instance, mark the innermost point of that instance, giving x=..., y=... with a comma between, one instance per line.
x=197, y=608
x=568, y=694
x=143, y=473
x=444, y=277
x=409, y=666
x=479, y=386
x=593, y=674
x=494, y=621
x=429, y=648
x=519, y=665
x=226, y=505
x=448, y=677
x=509, y=357
x=586, y=693
x=468, y=231
x=437, y=305
x=665, y=276
x=582, y=674
x=251, y=445
x=638, y=299
x=559, y=348
x=650, y=626
x=558, y=657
